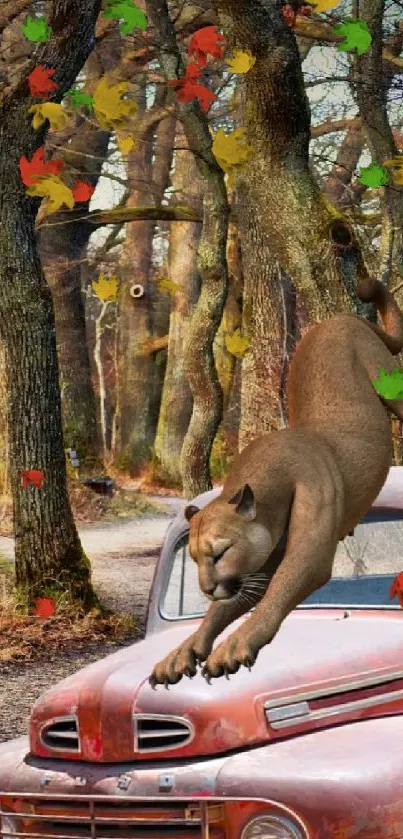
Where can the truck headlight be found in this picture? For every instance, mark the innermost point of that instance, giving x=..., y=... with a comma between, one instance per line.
x=8, y=827
x=271, y=827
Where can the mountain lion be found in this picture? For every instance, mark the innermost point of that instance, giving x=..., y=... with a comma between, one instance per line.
x=270, y=538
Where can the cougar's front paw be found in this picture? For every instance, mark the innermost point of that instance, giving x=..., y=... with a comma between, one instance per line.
x=180, y=662
x=235, y=651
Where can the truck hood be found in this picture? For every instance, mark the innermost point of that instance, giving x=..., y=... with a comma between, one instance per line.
x=325, y=667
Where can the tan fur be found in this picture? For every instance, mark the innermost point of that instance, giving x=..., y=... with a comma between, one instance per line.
x=321, y=475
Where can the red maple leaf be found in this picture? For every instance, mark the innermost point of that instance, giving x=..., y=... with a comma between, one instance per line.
x=193, y=71
x=396, y=589
x=204, y=42
x=32, y=169
x=45, y=607
x=82, y=190
x=40, y=83
x=32, y=476
x=187, y=91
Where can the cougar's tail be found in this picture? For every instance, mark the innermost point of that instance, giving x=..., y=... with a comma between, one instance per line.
x=373, y=291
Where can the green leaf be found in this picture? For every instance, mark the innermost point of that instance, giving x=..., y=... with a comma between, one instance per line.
x=78, y=98
x=127, y=11
x=37, y=29
x=356, y=34
x=374, y=175
x=389, y=385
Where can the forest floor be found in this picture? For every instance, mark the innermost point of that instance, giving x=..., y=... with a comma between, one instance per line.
x=123, y=552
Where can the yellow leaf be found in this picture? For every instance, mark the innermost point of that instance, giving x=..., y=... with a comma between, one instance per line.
x=95, y=613
x=49, y=110
x=55, y=192
x=231, y=149
x=126, y=143
x=106, y=288
x=323, y=5
x=237, y=344
x=110, y=110
x=169, y=285
x=397, y=164
x=241, y=62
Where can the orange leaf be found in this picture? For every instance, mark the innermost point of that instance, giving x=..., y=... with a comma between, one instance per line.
x=45, y=607
x=396, y=589
x=82, y=190
x=31, y=169
x=32, y=476
x=40, y=83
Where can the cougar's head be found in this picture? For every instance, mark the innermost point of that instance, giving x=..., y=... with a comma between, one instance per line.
x=227, y=543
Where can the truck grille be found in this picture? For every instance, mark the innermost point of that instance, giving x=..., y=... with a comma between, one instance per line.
x=157, y=733
x=93, y=817
x=61, y=735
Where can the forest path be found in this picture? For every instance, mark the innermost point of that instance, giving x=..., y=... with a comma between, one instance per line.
x=123, y=555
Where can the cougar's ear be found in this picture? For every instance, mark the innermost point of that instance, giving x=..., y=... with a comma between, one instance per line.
x=191, y=511
x=245, y=503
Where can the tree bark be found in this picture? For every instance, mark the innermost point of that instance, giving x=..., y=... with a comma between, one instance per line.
x=211, y=263
x=137, y=419
x=314, y=246
x=48, y=552
x=63, y=242
x=176, y=403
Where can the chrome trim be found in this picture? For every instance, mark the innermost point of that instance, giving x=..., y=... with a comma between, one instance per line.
x=336, y=710
x=293, y=828
x=138, y=718
x=68, y=735
x=364, y=682
x=287, y=712
x=281, y=809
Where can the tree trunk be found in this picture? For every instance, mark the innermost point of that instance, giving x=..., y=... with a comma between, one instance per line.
x=211, y=262
x=48, y=553
x=313, y=245
x=136, y=421
x=63, y=246
x=176, y=402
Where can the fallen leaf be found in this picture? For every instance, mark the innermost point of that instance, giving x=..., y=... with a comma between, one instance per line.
x=237, y=344
x=204, y=42
x=50, y=111
x=231, y=149
x=106, y=288
x=82, y=191
x=323, y=5
x=168, y=285
x=32, y=169
x=389, y=385
x=396, y=589
x=128, y=12
x=356, y=36
x=126, y=143
x=32, y=476
x=40, y=83
x=55, y=192
x=79, y=98
x=110, y=110
x=241, y=62
x=374, y=176
x=36, y=29
x=188, y=90
x=45, y=607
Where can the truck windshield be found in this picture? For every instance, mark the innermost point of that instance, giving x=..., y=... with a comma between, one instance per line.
x=365, y=565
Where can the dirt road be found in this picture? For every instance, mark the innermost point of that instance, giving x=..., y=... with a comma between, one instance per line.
x=123, y=557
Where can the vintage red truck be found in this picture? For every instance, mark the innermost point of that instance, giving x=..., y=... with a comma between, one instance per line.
x=307, y=745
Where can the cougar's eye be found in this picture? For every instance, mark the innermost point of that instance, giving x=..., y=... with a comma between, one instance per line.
x=219, y=556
